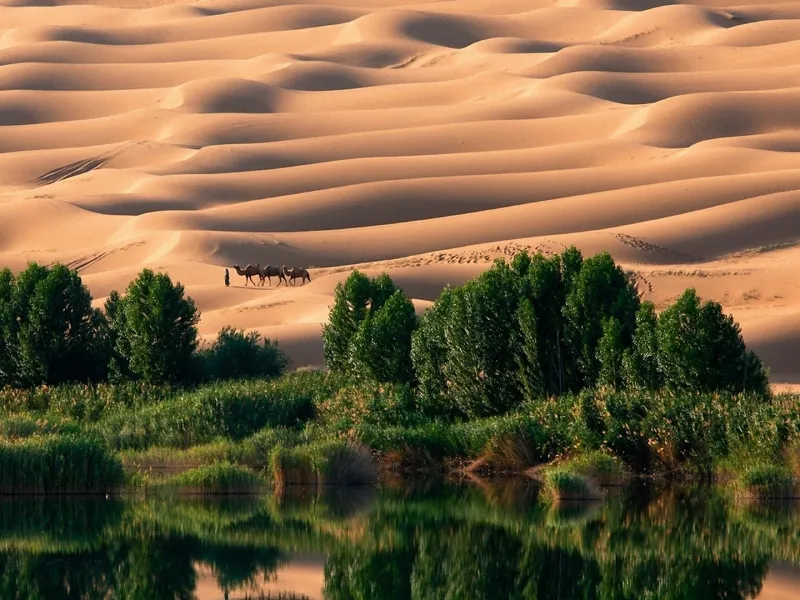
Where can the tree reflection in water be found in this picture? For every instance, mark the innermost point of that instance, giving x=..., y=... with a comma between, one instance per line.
x=438, y=542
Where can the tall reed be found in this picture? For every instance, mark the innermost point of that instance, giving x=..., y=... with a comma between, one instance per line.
x=48, y=464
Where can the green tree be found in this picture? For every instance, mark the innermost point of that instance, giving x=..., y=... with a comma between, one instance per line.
x=700, y=348
x=530, y=370
x=382, y=288
x=571, y=265
x=369, y=330
x=382, y=345
x=236, y=355
x=640, y=363
x=52, y=333
x=22, y=290
x=484, y=346
x=6, y=345
x=547, y=290
x=600, y=290
x=609, y=354
x=481, y=367
x=429, y=356
x=351, y=302
x=118, y=367
x=154, y=328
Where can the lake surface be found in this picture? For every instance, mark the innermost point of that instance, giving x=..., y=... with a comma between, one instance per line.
x=434, y=542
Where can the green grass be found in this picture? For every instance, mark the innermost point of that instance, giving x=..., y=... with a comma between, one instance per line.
x=48, y=464
x=231, y=410
x=322, y=463
x=564, y=484
x=767, y=481
x=600, y=467
x=25, y=425
x=219, y=477
x=294, y=427
x=83, y=402
x=253, y=451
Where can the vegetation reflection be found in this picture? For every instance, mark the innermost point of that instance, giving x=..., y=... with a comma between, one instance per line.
x=440, y=540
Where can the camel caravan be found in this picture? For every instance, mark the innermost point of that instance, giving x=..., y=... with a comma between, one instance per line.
x=270, y=271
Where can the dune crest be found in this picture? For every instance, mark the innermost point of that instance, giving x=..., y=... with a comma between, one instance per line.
x=422, y=139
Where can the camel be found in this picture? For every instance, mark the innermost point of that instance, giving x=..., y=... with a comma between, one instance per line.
x=271, y=271
x=296, y=272
x=248, y=272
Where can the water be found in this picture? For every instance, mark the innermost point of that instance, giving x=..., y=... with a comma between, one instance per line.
x=433, y=541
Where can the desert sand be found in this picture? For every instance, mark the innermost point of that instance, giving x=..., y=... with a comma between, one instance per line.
x=422, y=139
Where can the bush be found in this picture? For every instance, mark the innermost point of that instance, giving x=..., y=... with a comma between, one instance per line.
x=50, y=332
x=237, y=355
x=58, y=464
x=154, y=330
x=352, y=406
x=368, y=334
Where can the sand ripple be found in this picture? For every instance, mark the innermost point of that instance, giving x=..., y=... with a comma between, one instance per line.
x=425, y=139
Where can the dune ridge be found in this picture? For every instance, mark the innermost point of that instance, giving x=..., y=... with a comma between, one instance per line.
x=425, y=139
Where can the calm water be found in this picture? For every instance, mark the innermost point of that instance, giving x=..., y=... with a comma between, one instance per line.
x=437, y=542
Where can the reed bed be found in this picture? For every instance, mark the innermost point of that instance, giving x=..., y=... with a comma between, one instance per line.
x=219, y=477
x=331, y=462
x=54, y=464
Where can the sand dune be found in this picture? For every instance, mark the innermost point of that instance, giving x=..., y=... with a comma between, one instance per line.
x=425, y=139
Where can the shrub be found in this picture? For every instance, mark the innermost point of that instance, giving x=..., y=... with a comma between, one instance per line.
x=239, y=355
x=512, y=441
x=51, y=334
x=352, y=406
x=58, y=464
x=153, y=329
x=701, y=349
